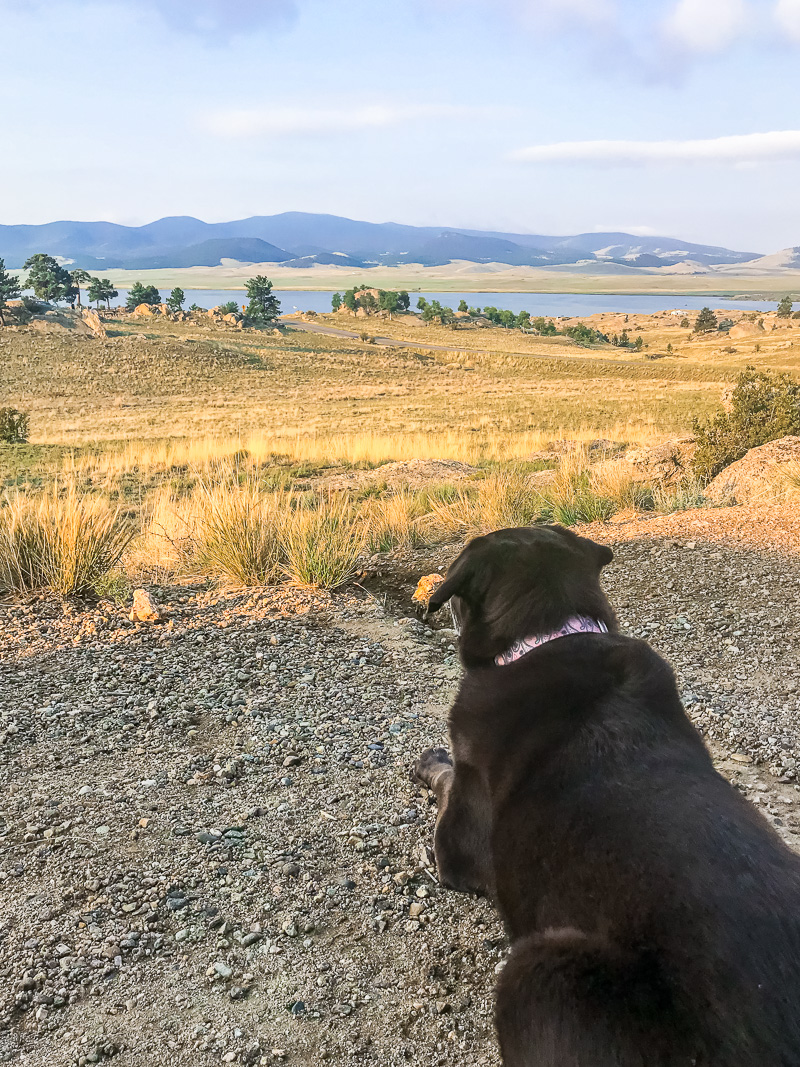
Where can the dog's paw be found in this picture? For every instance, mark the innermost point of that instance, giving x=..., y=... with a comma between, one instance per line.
x=430, y=763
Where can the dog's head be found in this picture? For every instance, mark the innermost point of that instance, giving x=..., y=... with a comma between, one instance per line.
x=513, y=584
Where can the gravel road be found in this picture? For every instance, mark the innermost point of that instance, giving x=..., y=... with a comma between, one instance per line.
x=210, y=848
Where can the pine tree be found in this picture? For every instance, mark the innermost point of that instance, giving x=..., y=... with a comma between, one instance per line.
x=263, y=305
x=79, y=277
x=101, y=289
x=705, y=322
x=47, y=278
x=10, y=288
x=176, y=299
x=785, y=308
x=336, y=301
x=142, y=294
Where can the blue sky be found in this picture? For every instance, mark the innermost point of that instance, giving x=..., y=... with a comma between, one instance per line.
x=679, y=117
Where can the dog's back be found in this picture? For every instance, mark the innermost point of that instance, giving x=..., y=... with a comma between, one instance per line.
x=635, y=880
x=654, y=914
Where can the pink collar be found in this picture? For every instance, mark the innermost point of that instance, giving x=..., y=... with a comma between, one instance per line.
x=578, y=624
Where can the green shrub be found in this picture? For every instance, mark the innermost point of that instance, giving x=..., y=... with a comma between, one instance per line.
x=229, y=308
x=764, y=407
x=687, y=494
x=14, y=426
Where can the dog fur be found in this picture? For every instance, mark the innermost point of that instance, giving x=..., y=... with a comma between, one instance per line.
x=653, y=914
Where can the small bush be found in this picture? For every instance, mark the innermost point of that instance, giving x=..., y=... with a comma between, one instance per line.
x=229, y=308
x=14, y=426
x=65, y=544
x=321, y=544
x=687, y=494
x=764, y=407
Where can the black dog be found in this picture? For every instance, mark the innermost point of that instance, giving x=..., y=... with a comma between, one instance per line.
x=654, y=915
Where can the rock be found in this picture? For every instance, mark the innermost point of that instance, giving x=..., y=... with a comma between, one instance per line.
x=144, y=607
x=222, y=969
x=754, y=476
x=92, y=320
x=425, y=588
x=667, y=463
x=143, y=311
x=745, y=329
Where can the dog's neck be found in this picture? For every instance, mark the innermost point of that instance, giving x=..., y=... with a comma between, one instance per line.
x=577, y=624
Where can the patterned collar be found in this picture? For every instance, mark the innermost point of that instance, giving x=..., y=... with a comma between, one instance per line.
x=578, y=624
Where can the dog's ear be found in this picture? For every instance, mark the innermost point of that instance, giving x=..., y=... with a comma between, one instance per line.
x=442, y=594
x=600, y=555
x=455, y=584
x=603, y=554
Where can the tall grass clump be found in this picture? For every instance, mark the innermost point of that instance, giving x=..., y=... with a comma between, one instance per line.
x=572, y=498
x=65, y=543
x=239, y=530
x=505, y=498
x=393, y=521
x=321, y=543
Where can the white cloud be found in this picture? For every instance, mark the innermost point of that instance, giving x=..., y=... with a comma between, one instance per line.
x=288, y=121
x=787, y=15
x=706, y=25
x=744, y=148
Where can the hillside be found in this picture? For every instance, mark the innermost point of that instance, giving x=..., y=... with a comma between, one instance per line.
x=292, y=237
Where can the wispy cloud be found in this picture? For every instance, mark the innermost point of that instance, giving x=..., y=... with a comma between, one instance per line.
x=289, y=121
x=217, y=21
x=706, y=25
x=746, y=148
x=787, y=15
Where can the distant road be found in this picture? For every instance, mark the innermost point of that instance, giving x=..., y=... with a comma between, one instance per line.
x=393, y=342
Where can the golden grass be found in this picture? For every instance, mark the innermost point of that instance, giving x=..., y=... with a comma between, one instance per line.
x=322, y=543
x=65, y=543
x=394, y=521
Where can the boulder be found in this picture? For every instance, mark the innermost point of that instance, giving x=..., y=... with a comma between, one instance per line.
x=667, y=463
x=231, y=319
x=753, y=477
x=144, y=311
x=144, y=608
x=745, y=329
x=425, y=588
x=92, y=320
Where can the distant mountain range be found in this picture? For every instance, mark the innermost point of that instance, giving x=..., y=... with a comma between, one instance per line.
x=298, y=239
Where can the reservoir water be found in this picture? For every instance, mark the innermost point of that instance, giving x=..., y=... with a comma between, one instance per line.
x=536, y=303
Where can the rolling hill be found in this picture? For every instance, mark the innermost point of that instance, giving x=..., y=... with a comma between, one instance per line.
x=302, y=239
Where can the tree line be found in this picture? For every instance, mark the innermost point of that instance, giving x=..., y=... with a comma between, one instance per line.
x=362, y=296
x=53, y=283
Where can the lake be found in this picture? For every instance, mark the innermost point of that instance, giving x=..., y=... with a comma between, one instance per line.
x=536, y=303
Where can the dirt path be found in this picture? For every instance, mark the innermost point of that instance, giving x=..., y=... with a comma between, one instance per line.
x=210, y=849
x=394, y=342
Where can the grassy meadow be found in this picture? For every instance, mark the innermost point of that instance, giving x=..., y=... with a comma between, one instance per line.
x=182, y=449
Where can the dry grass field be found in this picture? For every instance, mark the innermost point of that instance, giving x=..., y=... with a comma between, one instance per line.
x=189, y=430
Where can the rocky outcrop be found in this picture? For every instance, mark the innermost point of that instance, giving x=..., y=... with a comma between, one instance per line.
x=754, y=476
x=667, y=463
x=745, y=329
x=92, y=320
x=144, y=311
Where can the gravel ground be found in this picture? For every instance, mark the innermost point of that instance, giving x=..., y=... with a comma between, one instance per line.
x=210, y=848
